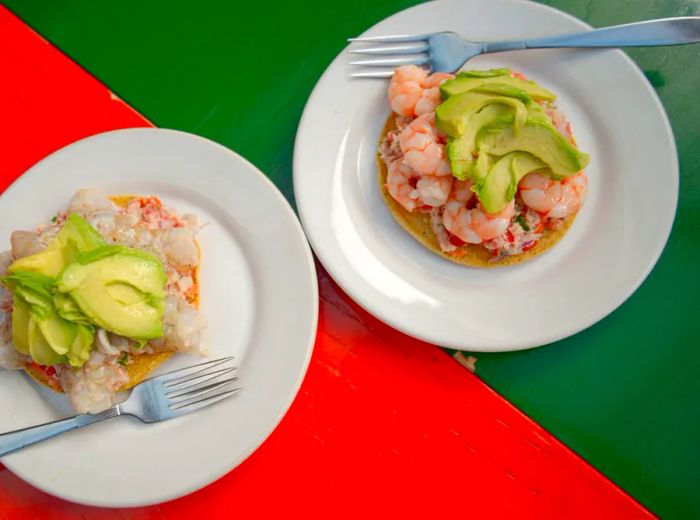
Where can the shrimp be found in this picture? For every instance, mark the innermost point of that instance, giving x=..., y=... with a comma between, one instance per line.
x=183, y=327
x=180, y=248
x=552, y=198
x=87, y=202
x=401, y=182
x=91, y=388
x=413, y=93
x=25, y=243
x=434, y=190
x=423, y=147
x=473, y=225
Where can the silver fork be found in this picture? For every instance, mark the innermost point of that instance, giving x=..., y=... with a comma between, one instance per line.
x=447, y=51
x=156, y=399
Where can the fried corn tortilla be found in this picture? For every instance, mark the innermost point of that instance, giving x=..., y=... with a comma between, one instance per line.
x=142, y=365
x=474, y=255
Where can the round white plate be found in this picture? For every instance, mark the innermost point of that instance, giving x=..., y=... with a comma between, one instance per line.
x=258, y=294
x=615, y=241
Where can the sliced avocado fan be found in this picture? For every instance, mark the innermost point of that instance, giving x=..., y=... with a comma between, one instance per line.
x=497, y=132
x=61, y=294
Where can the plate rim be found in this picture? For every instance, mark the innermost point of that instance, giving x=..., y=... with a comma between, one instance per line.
x=365, y=300
x=308, y=349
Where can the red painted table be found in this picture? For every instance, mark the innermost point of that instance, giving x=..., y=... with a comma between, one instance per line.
x=383, y=425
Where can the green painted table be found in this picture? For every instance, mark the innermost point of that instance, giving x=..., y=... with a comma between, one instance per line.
x=622, y=393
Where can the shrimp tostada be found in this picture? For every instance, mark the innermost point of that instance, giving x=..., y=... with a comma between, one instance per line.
x=96, y=299
x=481, y=167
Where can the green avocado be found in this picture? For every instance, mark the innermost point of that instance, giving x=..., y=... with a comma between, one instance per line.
x=498, y=187
x=469, y=80
x=39, y=348
x=75, y=236
x=34, y=289
x=504, y=89
x=57, y=332
x=453, y=115
x=79, y=351
x=118, y=288
x=461, y=150
x=20, y=324
x=539, y=138
x=37, y=327
x=68, y=309
x=482, y=165
x=490, y=73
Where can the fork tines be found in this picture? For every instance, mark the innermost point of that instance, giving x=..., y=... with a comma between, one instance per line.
x=414, y=52
x=195, y=387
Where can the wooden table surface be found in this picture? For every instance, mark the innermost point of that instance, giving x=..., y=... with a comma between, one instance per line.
x=383, y=419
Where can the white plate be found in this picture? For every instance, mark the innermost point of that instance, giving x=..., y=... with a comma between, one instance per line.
x=614, y=243
x=258, y=294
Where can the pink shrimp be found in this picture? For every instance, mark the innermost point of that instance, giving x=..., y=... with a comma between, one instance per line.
x=472, y=224
x=414, y=191
x=423, y=147
x=401, y=183
x=552, y=198
x=412, y=92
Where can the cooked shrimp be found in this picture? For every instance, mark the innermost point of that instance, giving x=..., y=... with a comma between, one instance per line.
x=423, y=147
x=434, y=190
x=473, y=225
x=180, y=247
x=183, y=328
x=552, y=198
x=25, y=243
x=88, y=202
x=412, y=92
x=401, y=181
x=91, y=388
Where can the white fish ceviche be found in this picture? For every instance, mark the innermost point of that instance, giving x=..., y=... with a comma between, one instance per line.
x=96, y=298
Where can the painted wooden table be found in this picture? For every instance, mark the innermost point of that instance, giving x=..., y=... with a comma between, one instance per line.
x=383, y=424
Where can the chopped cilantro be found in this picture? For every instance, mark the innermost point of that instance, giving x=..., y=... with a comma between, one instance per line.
x=521, y=220
x=54, y=219
x=123, y=359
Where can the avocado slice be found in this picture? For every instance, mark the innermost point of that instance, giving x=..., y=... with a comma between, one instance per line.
x=20, y=324
x=490, y=73
x=57, y=332
x=539, y=138
x=120, y=289
x=498, y=187
x=461, y=150
x=482, y=165
x=453, y=115
x=79, y=351
x=68, y=309
x=75, y=236
x=35, y=289
x=469, y=80
x=39, y=348
x=504, y=89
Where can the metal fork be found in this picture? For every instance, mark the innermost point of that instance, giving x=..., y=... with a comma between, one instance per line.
x=447, y=51
x=156, y=399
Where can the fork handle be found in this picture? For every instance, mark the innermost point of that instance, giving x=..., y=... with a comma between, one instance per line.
x=666, y=31
x=18, y=439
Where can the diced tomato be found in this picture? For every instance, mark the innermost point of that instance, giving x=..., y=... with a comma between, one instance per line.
x=48, y=370
x=455, y=240
x=413, y=182
x=155, y=201
x=510, y=236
